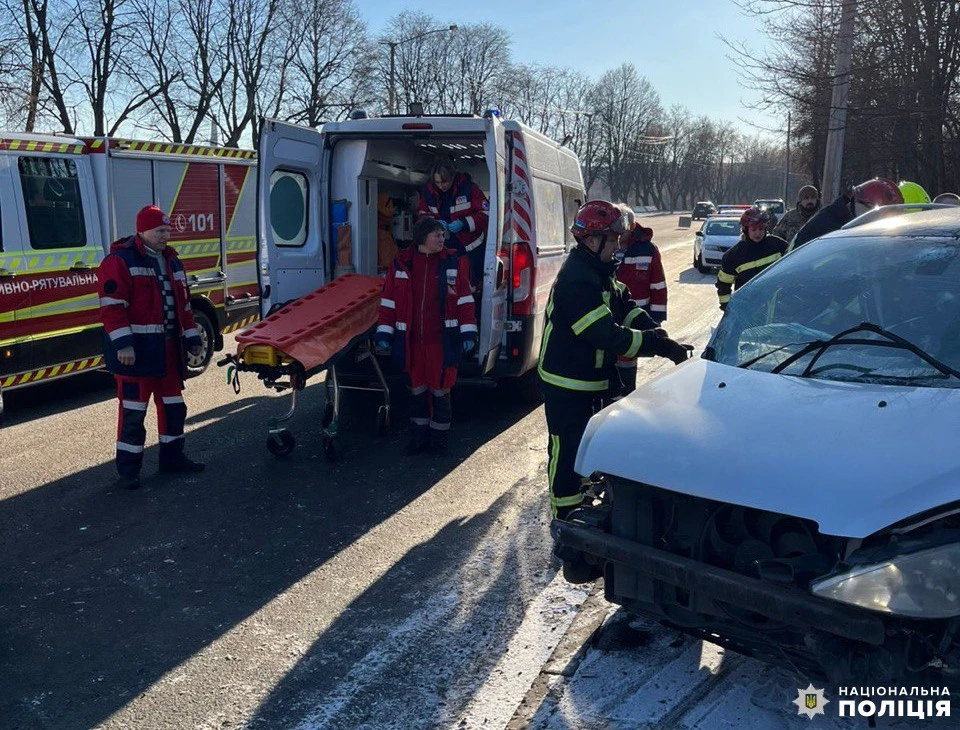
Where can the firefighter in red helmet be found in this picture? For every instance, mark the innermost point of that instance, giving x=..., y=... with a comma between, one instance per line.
x=755, y=251
x=854, y=201
x=590, y=320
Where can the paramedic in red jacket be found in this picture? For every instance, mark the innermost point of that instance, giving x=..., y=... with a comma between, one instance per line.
x=461, y=207
x=427, y=322
x=148, y=327
x=641, y=270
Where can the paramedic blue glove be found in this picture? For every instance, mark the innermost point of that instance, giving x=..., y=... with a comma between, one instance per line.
x=381, y=342
x=446, y=226
x=455, y=227
x=469, y=345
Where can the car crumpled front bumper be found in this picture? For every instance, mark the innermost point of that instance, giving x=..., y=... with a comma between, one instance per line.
x=785, y=604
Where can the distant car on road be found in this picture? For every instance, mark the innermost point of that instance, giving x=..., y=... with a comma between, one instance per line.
x=717, y=234
x=774, y=205
x=731, y=209
x=702, y=209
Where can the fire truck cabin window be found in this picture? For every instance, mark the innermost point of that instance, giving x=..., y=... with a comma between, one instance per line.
x=51, y=194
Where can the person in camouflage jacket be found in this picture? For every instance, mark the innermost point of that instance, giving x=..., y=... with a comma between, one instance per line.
x=808, y=202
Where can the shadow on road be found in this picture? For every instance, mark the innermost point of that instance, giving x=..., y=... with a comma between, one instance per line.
x=367, y=669
x=57, y=396
x=692, y=276
x=105, y=592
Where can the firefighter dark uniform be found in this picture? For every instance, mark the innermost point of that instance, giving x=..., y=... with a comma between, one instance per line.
x=851, y=203
x=426, y=317
x=747, y=257
x=590, y=320
x=641, y=270
x=145, y=304
x=744, y=261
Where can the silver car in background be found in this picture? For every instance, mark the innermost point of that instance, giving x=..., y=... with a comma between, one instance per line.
x=717, y=234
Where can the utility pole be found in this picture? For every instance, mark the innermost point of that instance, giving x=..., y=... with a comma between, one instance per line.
x=786, y=170
x=392, y=91
x=833, y=159
x=392, y=104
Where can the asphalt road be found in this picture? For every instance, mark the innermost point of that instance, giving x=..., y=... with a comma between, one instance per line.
x=378, y=592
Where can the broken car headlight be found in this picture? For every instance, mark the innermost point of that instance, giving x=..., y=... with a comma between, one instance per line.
x=924, y=584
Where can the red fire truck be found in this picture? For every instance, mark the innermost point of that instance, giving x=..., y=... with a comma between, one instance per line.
x=64, y=200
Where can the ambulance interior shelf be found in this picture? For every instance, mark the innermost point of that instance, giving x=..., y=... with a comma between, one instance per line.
x=310, y=335
x=376, y=192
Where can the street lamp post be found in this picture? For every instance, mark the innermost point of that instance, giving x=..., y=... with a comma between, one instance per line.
x=392, y=90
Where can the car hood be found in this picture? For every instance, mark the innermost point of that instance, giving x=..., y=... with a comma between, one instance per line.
x=854, y=458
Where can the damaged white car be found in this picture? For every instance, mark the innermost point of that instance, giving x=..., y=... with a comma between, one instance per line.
x=795, y=494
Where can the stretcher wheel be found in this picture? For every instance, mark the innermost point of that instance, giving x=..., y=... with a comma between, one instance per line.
x=280, y=443
x=383, y=421
x=329, y=449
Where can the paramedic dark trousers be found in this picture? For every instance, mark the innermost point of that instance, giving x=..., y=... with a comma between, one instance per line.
x=134, y=395
x=431, y=412
x=568, y=412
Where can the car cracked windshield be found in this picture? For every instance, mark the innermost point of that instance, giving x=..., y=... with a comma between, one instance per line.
x=867, y=309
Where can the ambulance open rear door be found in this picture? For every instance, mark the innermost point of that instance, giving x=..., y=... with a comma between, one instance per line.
x=290, y=179
x=493, y=303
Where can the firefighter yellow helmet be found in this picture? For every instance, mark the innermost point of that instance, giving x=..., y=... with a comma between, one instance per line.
x=913, y=193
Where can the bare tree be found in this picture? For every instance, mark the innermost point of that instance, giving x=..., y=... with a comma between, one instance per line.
x=329, y=63
x=253, y=47
x=37, y=34
x=626, y=104
x=181, y=53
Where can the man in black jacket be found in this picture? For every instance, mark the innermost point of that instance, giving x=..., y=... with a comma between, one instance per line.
x=854, y=201
x=590, y=321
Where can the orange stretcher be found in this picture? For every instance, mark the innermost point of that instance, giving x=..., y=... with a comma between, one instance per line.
x=308, y=336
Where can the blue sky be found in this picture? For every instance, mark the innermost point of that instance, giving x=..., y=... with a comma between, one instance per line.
x=673, y=43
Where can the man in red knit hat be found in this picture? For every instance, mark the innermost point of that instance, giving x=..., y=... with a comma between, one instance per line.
x=148, y=329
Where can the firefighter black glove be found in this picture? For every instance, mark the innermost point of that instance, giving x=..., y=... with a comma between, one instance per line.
x=723, y=306
x=672, y=350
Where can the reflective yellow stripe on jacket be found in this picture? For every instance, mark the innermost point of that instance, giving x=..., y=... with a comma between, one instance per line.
x=589, y=318
x=766, y=261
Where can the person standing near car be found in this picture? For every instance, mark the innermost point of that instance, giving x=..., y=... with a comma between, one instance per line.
x=427, y=323
x=641, y=270
x=756, y=250
x=459, y=204
x=808, y=202
x=148, y=329
x=590, y=320
x=853, y=201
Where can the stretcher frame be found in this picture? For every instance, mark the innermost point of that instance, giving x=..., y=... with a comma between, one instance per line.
x=306, y=337
x=290, y=375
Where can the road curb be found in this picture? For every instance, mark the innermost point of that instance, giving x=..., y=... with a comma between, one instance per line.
x=566, y=657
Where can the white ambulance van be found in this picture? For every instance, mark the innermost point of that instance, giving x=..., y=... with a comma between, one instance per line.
x=315, y=184
x=64, y=200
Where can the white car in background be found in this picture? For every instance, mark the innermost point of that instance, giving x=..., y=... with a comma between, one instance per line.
x=803, y=503
x=717, y=234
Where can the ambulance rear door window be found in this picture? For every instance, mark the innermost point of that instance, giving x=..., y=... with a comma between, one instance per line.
x=51, y=195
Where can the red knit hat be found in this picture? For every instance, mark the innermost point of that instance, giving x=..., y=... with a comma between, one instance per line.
x=151, y=217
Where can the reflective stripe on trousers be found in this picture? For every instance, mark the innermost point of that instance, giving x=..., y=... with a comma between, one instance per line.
x=134, y=394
